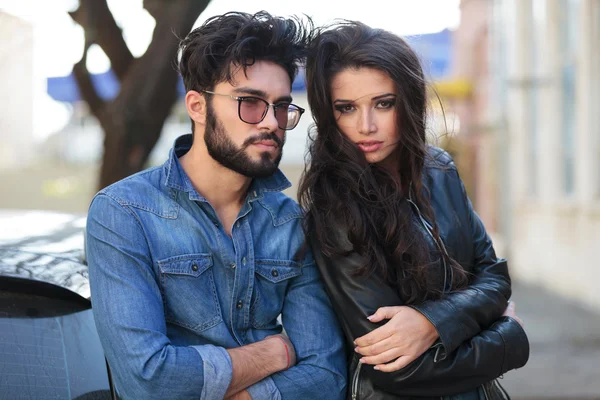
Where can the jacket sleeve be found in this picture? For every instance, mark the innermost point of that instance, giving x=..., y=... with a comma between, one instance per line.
x=463, y=314
x=489, y=354
x=486, y=356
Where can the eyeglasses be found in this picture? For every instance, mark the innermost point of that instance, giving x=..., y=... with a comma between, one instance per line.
x=252, y=110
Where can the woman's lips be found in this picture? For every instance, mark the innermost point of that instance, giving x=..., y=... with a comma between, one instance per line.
x=369, y=146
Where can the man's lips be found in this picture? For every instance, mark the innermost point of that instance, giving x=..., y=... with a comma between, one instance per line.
x=369, y=146
x=266, y=144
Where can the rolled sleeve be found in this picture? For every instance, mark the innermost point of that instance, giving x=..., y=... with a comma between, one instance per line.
x=264, y=390
x=217, y=370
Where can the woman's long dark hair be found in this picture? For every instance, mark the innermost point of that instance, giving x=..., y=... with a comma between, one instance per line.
x=339, y=185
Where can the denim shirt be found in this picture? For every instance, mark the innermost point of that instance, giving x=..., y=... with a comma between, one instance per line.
x=171, y=290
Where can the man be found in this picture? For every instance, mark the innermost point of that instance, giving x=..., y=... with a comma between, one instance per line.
x=192, y=262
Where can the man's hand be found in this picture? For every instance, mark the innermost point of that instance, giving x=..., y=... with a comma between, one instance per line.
x=243, y=395
x=287, y=355
x=406, y=336
x=511, y=311
x=256, y=361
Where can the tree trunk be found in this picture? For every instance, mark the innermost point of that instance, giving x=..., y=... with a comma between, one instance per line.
x=133, y=121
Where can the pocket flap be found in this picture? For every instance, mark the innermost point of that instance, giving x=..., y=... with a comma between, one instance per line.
x=276, y=271
x=190, y=264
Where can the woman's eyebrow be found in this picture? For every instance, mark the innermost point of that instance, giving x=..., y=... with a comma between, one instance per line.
x=380, y=96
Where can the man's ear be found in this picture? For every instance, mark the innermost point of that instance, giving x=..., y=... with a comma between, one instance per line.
x=195, y=103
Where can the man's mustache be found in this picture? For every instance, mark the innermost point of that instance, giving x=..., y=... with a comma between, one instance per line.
x=263, y=136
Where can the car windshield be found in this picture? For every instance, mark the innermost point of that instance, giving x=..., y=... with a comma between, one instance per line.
x=49, y=348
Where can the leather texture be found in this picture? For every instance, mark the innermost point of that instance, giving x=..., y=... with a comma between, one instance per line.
x=477, y=344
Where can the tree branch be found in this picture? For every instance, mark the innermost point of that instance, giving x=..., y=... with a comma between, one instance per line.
x=156, y=68
x=100, y=27
x=181, y=15
x=86, y=86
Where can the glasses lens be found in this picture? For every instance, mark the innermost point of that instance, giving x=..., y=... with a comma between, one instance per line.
x=252, y=109
x=287, y=115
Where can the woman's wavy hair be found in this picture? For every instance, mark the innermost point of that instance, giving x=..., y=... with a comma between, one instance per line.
x=338, y=184
x=213, y=52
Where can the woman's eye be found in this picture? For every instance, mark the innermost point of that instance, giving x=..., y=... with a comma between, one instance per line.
x=386, y=104
x=344, y=108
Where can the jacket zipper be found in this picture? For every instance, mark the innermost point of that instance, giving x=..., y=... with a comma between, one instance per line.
x=356, y=377
x=355, y=381
x=501, y=389
x=485, y=393
x=440, y=246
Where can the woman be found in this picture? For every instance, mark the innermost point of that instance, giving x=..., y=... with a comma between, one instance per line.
x=407, y=263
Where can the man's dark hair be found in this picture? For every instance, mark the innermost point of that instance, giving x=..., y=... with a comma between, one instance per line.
x=211, y=53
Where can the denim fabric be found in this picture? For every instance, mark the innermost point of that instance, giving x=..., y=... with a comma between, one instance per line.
x=171, y=290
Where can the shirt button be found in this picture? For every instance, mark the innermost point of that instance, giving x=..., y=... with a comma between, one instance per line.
x=232, y=265
x=255, y=195
x=244, y=261
x=194, y=267
x=238, y=224
x=275, y=273
x=217, y=224
x=239, y=304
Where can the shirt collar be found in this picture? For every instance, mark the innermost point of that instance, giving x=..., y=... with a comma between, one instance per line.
x=177, y=179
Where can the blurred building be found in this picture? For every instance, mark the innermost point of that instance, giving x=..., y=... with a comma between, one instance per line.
x=534, y=67
x=474, y=142
x=80, y=141
x=16, y=80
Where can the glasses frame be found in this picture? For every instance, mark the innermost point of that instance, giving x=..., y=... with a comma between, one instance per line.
x=239, y=99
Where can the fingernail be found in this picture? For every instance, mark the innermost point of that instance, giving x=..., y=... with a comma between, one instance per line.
x=356, y=349
x=376, y=367
x=370, y=317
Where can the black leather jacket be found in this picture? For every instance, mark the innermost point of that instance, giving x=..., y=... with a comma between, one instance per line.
x=476, y=343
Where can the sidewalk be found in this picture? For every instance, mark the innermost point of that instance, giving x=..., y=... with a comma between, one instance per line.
x=565, y=349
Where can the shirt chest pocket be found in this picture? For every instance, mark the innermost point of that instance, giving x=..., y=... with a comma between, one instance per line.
x=189, y=292
x=272, y=280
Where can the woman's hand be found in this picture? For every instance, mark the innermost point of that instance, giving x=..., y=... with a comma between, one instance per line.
x=511, y=311
x=403, y=339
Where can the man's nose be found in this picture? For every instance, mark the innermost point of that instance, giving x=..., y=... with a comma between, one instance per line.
x=269, y=122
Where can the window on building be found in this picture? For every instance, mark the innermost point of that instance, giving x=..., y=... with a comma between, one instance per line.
x=536, y=42
x=499, y=64
x=596, y=98
x=499, y=59
x=568, y=52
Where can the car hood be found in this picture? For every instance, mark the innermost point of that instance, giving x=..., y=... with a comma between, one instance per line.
x=45, y=246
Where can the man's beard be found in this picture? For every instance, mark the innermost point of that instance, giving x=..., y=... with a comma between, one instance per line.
x=224, y=151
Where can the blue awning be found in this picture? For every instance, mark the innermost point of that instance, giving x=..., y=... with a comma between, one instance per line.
x=434, y=50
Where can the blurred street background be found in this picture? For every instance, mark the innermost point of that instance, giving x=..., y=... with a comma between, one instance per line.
x=85, y=100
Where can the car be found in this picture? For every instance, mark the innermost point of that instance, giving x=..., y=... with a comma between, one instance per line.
x=50, y=348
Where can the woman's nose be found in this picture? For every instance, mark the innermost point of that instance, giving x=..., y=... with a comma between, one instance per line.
x=366, y=123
